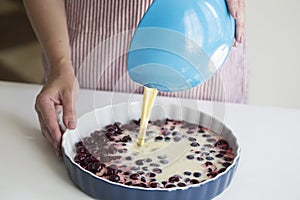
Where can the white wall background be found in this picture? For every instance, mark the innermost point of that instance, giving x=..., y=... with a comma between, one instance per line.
x=274, y=52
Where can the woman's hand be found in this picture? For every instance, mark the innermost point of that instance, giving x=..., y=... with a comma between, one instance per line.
x=58, y=94
x=237, y=10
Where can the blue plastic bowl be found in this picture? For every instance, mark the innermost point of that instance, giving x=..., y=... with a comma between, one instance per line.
x=103, y=189
x=180, y=44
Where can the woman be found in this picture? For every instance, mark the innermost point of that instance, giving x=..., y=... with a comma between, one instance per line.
x=69, y=32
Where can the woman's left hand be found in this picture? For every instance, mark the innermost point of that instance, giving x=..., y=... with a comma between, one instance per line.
x=237, y=10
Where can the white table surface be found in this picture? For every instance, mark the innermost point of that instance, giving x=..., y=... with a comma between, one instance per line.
x=269, y=167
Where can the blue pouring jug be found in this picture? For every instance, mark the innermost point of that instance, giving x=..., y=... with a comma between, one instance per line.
x=179, y=44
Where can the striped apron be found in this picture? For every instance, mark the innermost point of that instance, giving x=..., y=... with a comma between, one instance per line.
x=100, y=32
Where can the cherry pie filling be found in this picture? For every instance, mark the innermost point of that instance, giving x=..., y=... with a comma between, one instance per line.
x=175, y=154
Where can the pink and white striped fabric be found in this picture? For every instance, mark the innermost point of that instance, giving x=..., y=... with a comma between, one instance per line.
x=100, y=32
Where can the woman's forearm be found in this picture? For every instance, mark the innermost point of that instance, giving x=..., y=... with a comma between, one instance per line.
x=48, y=19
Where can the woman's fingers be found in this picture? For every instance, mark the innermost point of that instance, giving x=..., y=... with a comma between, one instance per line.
x=240, y=22
x=69, y=116
x=45, y=107
x=48, y=136
x=237, y=10
x=233, y=7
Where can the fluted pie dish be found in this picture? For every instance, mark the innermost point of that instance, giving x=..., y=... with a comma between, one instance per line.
x=187, y=154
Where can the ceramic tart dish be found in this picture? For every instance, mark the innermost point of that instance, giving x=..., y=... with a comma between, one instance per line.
x=180, y=160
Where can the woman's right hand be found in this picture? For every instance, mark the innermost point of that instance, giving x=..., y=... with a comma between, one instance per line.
x=58, y=94
x=48, y=19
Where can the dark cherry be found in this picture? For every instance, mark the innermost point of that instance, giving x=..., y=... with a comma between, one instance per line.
x=192, y=139
x=137, y=122
x=154, y=185
x=175, y=133
x=205, y=153
x=81, y=149
x=112, y=149
x=211, y=140
x=205, y=135
x=173, y=179
x=197, y=174
x=143, y=179
x=187, y=173
x=134, y=176
x=222, y=152
x=145, y=168
x=89, y=141
x=208, y=163
x=209, y=158
x=219, y=155
x=181, y=184
x=122, y=150
x=87, y=160
x=164, y=182
x=102, y=140
x=128, y=158
x=164, y=162
x=150, y=174
x=126, y=173
x=114, y=178
x=195, y=144
x=142, y=185
x=139, y=162
x=201, y=130
x=141, y=172
x=157, y=170
x=190, y=157
x=227, y=158
x=212, y=174
x=170, y=186
x=128, y=183
x=164, y=156
x=112, y=130
x=194, y=181
x=187, y=180
x=126, y=138
x=226, y=164
x=166, y=132
x=222, y=170
x=158, y=138
x=177, y=138
x=222, y=144
x=79, y=158
x=112, y=169
x=95, y=166
x=154, y=165
x=79, y=144
x=108, y=134
x=135, y=168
